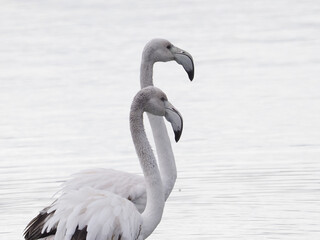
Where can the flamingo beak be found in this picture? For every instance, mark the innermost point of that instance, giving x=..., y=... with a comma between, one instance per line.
x=185, y=59
x=174, y=117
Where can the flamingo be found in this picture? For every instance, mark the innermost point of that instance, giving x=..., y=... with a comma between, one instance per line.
x=89, y=213
x=124, y=184
x=130, y=185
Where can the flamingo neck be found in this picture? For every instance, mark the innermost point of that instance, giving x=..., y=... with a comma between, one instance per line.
x=166, y=159
x=167, y=164
x=146, y=72
x=155, y=193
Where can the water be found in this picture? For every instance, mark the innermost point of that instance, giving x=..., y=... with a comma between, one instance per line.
x=248, y=161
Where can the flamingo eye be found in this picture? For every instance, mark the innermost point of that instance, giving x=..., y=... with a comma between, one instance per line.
x=163, y=99
x=169, y=46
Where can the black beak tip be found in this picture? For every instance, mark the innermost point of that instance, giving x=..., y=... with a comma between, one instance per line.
x=177, y=135
x=191, y=74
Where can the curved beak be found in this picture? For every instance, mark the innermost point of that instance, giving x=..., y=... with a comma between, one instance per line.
x=185, y=59
x=174, y=117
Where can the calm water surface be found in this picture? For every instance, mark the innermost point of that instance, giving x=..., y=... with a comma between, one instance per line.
x=248, y=161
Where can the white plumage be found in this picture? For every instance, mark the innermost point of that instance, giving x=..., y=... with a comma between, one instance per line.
x=104, y=215
x=124, y=184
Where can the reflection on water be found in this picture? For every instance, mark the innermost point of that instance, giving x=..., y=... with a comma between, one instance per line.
x=248, y=159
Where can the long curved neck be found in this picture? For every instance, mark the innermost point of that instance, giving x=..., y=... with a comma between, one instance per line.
x=167, y=163
x=146, y=72
x=155, y=194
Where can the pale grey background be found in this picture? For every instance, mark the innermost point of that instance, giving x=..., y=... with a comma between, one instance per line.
x=248, y=161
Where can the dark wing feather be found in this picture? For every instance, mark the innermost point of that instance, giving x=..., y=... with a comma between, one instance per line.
x=80, y=234
x=34, y=228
